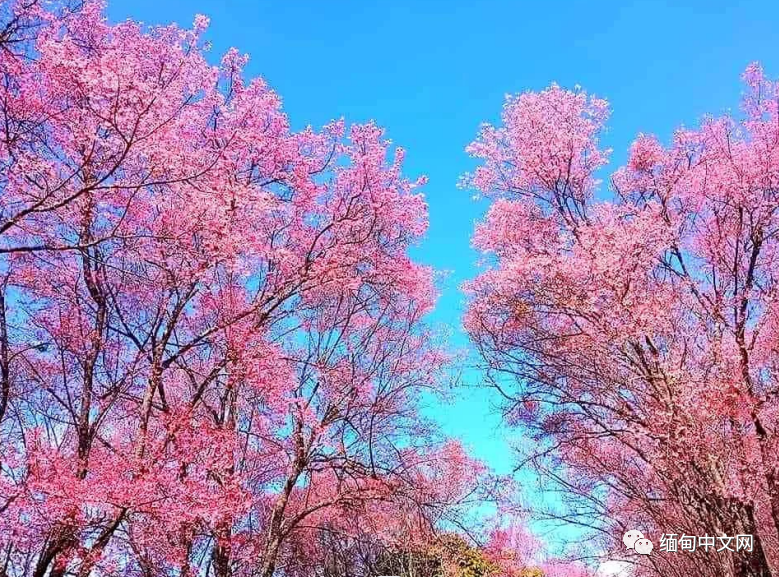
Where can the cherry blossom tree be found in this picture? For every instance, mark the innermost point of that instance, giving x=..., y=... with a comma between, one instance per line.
x=211, y=336
x=635, y=337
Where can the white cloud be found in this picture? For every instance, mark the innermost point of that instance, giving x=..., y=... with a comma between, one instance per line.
x=614, y=569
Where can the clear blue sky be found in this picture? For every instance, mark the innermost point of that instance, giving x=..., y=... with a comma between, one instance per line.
x=430, y=71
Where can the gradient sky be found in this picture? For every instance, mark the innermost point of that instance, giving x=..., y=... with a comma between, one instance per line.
x=431, y=71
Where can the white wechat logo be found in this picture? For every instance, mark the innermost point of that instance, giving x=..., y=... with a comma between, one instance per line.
x=635, y=540
x=644, y=546
x=630, y=538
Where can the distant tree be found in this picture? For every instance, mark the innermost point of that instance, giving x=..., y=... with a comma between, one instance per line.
x=459, y=559
x=449, y=556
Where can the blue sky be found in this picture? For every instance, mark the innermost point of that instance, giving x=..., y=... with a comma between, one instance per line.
x=431, y=71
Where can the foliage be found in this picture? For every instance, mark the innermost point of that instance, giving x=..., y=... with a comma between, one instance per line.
x=635, y=337
x=459, y=559
x=211, y=337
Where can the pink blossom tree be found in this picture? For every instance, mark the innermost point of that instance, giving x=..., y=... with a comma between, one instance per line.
x=211, y=338
x=635, y=337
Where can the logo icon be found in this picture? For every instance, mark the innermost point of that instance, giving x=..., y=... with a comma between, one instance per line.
x=634, y=539
x=630, y=538
x=643, y=546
